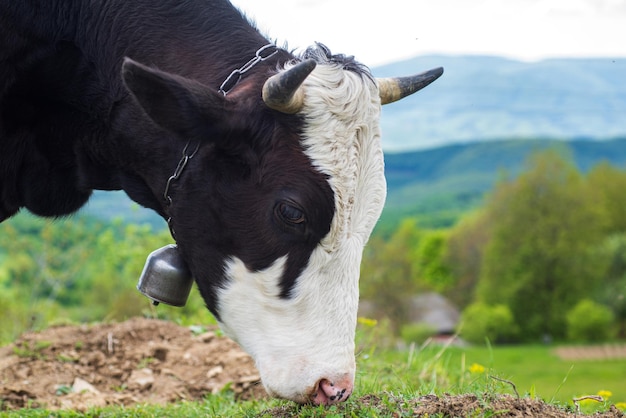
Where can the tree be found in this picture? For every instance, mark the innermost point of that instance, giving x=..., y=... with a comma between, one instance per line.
x=609, y=185
x=464, y=254
x=429, y=264
x=538, y=259
x=611, y=291
x=387, y=273
x=393, y=271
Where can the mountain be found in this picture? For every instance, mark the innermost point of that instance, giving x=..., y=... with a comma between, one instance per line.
x=492, y=98
x=436, y=185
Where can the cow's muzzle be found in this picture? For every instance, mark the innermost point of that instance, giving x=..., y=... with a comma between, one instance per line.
x=328, y=392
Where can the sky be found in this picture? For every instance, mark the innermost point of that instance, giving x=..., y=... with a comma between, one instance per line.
x=380, y=32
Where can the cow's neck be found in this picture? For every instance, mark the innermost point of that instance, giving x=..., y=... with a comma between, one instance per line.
x=103, y=123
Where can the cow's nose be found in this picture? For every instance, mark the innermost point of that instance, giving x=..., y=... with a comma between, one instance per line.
x=330, y=392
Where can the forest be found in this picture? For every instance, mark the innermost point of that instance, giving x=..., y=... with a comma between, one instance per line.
x=542, y=256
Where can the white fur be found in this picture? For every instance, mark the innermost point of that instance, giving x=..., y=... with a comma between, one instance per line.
x=310, y=336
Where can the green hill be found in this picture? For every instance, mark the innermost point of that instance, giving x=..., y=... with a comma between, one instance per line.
x=437, y=185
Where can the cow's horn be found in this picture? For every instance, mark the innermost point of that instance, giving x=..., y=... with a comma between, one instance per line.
x=394, y=89
x=282, y=91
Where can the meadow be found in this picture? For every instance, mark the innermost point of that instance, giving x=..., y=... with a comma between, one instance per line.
x=536, y=370
x=390, y=379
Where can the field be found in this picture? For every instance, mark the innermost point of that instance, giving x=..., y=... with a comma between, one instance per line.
x=144, y=368
x=538, y=370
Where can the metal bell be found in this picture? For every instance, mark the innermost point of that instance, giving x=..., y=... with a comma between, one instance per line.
x=166, y=277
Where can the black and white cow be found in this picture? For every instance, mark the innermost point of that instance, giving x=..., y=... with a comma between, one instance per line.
x=283, y=176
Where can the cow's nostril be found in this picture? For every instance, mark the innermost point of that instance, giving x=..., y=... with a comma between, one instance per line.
x=329, y=392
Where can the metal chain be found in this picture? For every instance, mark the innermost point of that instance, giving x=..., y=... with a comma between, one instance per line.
x=235, y=77
x=179, y=169
x=231, y=81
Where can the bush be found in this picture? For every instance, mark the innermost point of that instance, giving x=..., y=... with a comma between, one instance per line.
x=493, y=322
x=589, y=321
x=416, y=333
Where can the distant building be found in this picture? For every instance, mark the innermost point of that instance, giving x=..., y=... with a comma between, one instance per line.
x=435, y=311
x=431, y=309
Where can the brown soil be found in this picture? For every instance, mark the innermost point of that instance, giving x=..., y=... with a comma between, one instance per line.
x=456, y=406
x=152, y=361
x=137, y=361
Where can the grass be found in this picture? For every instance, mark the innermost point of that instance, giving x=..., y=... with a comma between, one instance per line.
x=392, y=376
x=535, y=369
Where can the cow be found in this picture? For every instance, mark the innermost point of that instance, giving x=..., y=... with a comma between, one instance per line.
x=267, y=165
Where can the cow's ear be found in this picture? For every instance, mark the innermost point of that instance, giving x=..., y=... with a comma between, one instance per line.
x=180, y=105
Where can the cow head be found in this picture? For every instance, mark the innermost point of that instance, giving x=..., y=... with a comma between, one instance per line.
x=274, y=210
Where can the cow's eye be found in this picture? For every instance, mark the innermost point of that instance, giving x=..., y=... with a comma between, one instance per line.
x=290, y=213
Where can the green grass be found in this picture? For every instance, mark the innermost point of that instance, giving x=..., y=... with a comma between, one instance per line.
x=535, y=369
x=393, y=375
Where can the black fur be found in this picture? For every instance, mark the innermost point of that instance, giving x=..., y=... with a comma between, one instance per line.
x=69, y=125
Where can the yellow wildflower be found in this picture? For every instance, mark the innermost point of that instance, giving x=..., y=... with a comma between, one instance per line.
x=606, y=394
x=477, y=368
x=621, y=405
x=367, y=321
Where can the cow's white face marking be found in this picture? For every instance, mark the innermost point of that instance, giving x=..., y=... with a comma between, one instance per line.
x=309, y=336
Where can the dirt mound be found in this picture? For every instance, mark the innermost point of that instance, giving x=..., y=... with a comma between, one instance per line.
x=137, y=361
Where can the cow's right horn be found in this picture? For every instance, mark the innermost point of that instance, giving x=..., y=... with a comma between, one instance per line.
x=394, y=89
x=282, y=91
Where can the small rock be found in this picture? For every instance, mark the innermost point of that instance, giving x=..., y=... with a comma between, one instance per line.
x=169, y=372
x=205, y=337
x=80, y=386
x=95, y=358
x=250, y=379
x=214, y=372
x=142, y=379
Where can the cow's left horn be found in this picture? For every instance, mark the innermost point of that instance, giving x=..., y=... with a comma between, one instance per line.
x=394, y=89
x=282, y=91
